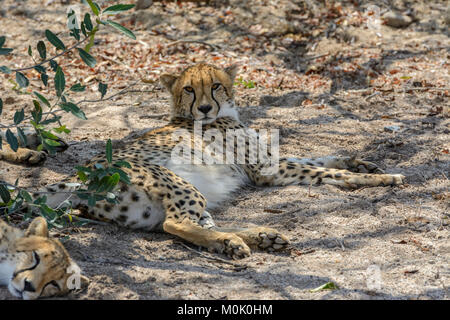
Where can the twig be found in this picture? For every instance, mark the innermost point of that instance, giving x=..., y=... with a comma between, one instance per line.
x=115, y=61
x=315, y=57
x=373, y=95
x=236, y=265
x=194, y=41
x=111, y=96
x=420, y=89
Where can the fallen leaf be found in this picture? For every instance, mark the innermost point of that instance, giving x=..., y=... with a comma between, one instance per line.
x=399, y=241
x=326, y=286
x=410, y=271
x=273, y=211
x=417, y=219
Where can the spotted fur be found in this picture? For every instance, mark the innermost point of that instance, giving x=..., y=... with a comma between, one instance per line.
x=174, y=197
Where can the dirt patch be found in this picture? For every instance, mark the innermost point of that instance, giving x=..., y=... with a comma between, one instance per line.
x=343, y=102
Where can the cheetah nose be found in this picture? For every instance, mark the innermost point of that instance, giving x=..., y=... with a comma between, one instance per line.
x=205, y=108
x=28, y=286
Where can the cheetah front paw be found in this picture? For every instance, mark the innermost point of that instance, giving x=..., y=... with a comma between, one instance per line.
x=393, y=179
x=232, y=245
x=264, y=238
x=33, y=157
x=361, y=166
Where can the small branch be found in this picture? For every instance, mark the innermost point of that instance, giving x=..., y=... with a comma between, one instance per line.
x=111, y=96
x=314, y=57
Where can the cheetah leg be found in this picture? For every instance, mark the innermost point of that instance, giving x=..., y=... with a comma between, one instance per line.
x=214, y=241
x=261, y=238
x=290, y=173
x=348, y=163
x=22, y=155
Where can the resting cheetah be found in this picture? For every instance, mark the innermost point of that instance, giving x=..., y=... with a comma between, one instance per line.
x=34, y=265
x=174, y=197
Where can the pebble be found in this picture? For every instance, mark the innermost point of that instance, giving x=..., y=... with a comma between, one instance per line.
x=396, y=20
x=391, y=128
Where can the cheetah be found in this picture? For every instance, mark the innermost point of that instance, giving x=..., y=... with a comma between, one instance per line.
x=33, y=265
x=166, y=195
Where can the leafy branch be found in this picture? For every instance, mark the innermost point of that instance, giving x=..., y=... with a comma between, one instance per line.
x=40, y=119
x=97, y=181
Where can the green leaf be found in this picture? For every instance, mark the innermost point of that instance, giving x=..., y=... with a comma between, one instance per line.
x=123, y=164
x=62, y=129
x=53, y=65
x=42, y=49
x=42, y=98
x=22, y=136
x=83, y=29
x=37, y=113
x=73, y=108
x=123, y=176
x=30, y=52
x=4, y=193
x=40, y=69
x=19, y=116
x=77, y=88
x=26, y=196
x=52, y=143
x=49, y=135
x=87, y=58
x=54, y=40
x=326, y=286
x=102, y=87
x=87, y=22
x=118, y=8
x=120, y=28
x=22, y=80
x=5, y=69
x=83, y=177
x=2, y=41
x=44, y=78
x=60, y=81
x=75, y=33
x=94, y=7
x=12, y=140
x=5, y=51
x=109, y=151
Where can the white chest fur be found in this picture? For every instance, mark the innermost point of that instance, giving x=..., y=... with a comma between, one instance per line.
x=215, y=182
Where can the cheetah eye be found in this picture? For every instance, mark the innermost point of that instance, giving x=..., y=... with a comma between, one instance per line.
x=215, y=86
x=188, y=89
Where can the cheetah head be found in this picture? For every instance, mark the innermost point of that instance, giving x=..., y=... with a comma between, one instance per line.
x=202, y=92
x=45, y=268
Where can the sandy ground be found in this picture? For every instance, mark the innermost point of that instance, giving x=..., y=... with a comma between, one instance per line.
x=321, y=107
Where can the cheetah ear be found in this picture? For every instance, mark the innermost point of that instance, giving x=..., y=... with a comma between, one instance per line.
x=38, y=227
x=168, y=80
x=232, y=71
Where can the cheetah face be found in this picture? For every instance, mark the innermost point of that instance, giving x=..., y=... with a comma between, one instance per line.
x=202, y=93
x=46, y=268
